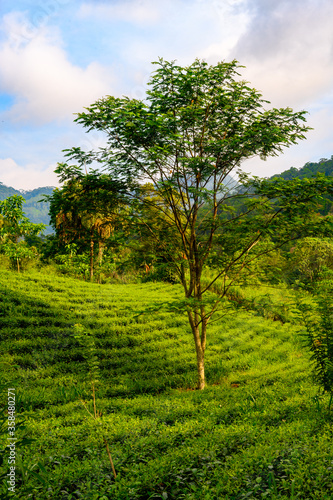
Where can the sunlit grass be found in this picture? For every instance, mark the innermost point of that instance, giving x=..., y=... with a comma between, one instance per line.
x=257, y=431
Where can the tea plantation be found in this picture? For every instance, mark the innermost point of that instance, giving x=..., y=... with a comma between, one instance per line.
x=259, y=430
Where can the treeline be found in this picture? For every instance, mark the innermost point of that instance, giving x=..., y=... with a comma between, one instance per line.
x=310, y=169
x=37, y=209
x=97, y=237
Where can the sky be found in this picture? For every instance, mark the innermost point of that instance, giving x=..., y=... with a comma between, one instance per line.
x=59, y=56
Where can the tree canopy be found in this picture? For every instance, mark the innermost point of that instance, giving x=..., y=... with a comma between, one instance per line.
x=85, y=208
x=194, y=129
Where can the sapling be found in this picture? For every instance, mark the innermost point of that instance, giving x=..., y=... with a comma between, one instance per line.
x=319, y=335
x=88, y=343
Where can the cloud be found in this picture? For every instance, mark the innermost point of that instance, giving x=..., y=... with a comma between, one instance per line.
x=177, y=29
x=142, y=12
x=287, y=48
x=46, y=85
x=26, y=177
x=56, y=60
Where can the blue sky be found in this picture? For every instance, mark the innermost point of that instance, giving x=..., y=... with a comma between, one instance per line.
x=58, y=56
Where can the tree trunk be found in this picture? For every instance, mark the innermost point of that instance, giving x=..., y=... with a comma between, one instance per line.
x=91, y=260
x=18, y=264
x=200, y=343
x=201, y=368
x=100, y=252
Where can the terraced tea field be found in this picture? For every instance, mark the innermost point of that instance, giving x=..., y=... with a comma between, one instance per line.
x=257, y=431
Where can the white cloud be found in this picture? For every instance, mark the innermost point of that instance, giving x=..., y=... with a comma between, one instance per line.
x=287, y=49
x=138, y=12
x=178, y=29
x=230, y=18
x=46, y=85
x=286, y=46
x=26, y=177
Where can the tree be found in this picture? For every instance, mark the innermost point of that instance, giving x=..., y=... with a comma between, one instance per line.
x=15, y=225
x=309, y=258
x=84, y=210
x=152, y=236
x=196, y=126
x=318, y=320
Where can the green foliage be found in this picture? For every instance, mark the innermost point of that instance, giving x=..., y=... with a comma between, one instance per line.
x=13, y=226
x=309, y=258
x=84, y=211
x=6, y=191
x=152, y=237
x=88, y=344
x=319, y=336
x=311, y=169
x=14, y=223
x=36, y=210
x=89, y=353
x=18, y=253
x=196, y=126
x=256, y=431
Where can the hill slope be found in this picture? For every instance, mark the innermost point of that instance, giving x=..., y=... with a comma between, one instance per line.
x=253, y=433
x=35, y=211
x=310, y=169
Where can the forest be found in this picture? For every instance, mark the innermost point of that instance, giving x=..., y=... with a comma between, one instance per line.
x=173, y=337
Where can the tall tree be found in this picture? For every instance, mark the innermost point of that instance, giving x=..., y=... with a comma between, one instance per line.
x=196, y=126
x=85, y=208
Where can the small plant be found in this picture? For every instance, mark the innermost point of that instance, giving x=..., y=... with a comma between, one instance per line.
x=319, y=335
x=88, y=343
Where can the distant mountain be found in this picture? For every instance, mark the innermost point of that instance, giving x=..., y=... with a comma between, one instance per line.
x=310, y=169
x=36, y=212
x=6, y=191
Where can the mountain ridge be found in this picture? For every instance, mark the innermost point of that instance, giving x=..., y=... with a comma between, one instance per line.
x=36, y=211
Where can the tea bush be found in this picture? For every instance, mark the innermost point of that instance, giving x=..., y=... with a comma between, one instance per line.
x=257, y=431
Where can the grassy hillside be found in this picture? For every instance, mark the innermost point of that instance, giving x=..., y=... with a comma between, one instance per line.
x=257, y=431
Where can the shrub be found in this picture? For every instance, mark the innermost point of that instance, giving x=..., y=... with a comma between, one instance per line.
x=319, y=334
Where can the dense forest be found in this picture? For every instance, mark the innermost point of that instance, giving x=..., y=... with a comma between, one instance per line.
x=36, y=208
x=173, y=337
x=125, y=256
x=324, y=165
